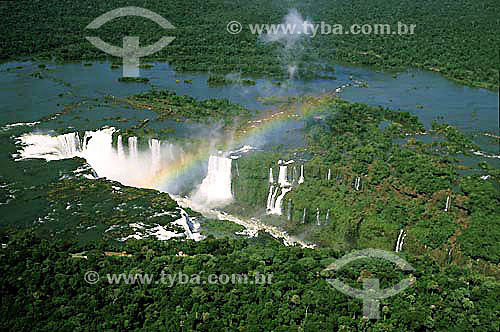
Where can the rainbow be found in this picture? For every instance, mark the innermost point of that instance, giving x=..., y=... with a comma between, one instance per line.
x=253, y=129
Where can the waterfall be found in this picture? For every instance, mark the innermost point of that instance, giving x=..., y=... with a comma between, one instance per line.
x=295, y=175
x=132, y=148
x=215, y=188
x=327, y=218
x=304, y=216
x=272, y=202
x=301, y=179
x=48, y=147
x=191, y=230
x=119, y=147
x=289, y=213
x=186, y=224
x=282, y=177
x=277, y=209
x=317, y=217
x=270, y=198
x=69, y=145
x=155, y=150
x=357, y=183
x=135, y=168
x=329, y=177
x=448, y=204
x=400, y=240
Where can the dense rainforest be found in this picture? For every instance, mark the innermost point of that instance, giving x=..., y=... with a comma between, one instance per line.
x=43, y=288
x=372, y=175
x=405, y=176
x=456, y=38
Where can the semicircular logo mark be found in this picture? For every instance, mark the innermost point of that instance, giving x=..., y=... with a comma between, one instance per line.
x=371, y=293
x=131, y=51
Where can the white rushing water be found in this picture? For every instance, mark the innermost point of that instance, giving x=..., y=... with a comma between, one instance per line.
x=301, y=178
x=119, y=147
x=141, y=230
x=155, y=148
x=277, y=208
x=132, y=168
x=251, y=225
x=400, y=240
x=283, y=175
x=271, y=178
x=215, y=189
x=276, y=195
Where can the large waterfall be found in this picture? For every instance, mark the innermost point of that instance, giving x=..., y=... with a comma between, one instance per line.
x=50, y=147
x=215, y=188
x=135, y=168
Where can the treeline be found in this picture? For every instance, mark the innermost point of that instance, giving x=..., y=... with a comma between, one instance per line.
x=43, y=288
x=449, y=37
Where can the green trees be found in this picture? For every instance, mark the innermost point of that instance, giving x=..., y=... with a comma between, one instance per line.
x=449, y=38
x=403, y=185
x=43, y=287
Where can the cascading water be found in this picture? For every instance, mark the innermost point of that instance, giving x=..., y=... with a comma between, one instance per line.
x=272, y=202
x=70, y=144
x=132, y=147
x=275, y=201
x=132, y=169
x=357, y=183
x=448, y=204
x=283, y=175
x=215, y=188
x=400, y=240
x=269, y=198
x=277, y=208
x=301, y=179
x=119, y=147
x=49, y=147
x=155, y=149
